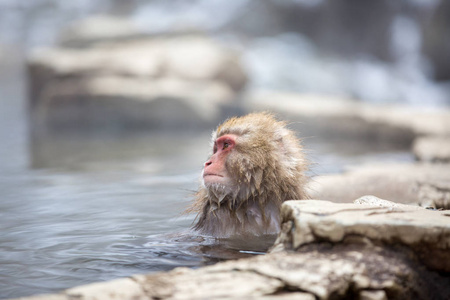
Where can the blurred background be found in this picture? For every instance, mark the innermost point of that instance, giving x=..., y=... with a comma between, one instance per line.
x=106, y=109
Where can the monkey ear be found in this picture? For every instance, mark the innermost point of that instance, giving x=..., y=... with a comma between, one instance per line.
x=287, y=157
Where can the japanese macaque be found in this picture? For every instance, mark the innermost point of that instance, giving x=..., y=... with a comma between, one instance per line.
x=256, y=164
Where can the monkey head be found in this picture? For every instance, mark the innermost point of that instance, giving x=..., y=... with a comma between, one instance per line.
x=251, y=154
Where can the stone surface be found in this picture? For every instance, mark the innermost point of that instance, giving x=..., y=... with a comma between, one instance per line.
x=374, y=201
x=372, y=295
x=125, y=288
x=432, y=149
x=333, y=117
x=320, y=272
x=219, y=282
x=322, y=275
x=159, y=82
x=426, y=232
x=423, y=184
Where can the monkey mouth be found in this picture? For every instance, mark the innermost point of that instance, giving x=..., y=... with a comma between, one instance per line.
x=211, y=174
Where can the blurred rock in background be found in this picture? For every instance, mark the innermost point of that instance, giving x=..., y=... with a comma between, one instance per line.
x=157, y=82
x=175, y=59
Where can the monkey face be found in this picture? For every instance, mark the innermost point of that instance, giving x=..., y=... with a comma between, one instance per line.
x=215, y=171
x=231, y=172
x=216, y=175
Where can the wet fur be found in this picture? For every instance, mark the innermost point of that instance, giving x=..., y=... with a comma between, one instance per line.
x=268, y=168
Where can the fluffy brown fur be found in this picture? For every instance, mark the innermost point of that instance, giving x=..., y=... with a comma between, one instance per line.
x=267, y=167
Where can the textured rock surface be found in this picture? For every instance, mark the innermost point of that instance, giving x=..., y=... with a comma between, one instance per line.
x=424, y=184
x=323, y=272
x=164, y=81
x=426, y=232
x=117, y=289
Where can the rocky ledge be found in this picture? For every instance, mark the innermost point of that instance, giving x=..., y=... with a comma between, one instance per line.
x=370, y=249
x=331, y=116
x=424, y=184
x=161, y=81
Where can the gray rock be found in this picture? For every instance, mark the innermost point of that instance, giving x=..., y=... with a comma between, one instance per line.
x=158, y=82
x=421, y=184
x=211, y=282
x=425, y=232
x=432, y=149
x=435, y=194
x=372, y=295
x=374, y=201
x=330, y=272
x=125, y=288
x=333, y=117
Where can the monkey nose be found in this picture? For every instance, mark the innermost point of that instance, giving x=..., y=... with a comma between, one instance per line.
x=208, y=163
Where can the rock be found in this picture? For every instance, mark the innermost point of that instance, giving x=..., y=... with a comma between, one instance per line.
x=425, y=232
x=150, y=82
x=339, y=272
x=432, y=149
x=202, y=59
x=421, y=184
x=372, y=295
x=125, y=288
x=138, y=102
x=334, y=117
x=210, y=282
x=313, y=274
x=435, y=194
x=374, y=201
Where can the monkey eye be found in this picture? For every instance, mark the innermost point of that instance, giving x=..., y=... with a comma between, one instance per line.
x=226, y=142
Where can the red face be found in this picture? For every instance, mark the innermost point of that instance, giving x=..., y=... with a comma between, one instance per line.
x=215, y=171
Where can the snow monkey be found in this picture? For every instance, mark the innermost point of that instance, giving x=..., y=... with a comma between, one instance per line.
x=256, y=165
